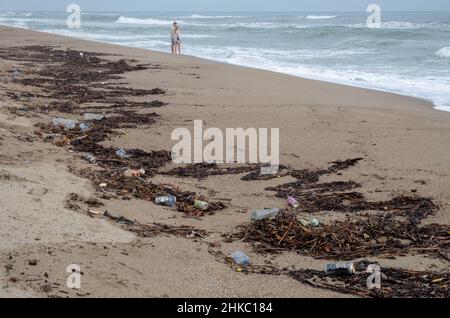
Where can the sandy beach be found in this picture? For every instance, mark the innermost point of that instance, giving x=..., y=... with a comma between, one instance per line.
x=403, y=143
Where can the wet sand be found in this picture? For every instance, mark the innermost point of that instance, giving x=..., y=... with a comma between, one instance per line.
x=403, y=140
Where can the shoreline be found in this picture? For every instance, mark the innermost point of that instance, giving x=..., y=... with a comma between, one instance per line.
x=54, y=207
x=355, y=85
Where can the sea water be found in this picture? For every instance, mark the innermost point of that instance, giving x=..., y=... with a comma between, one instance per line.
x=409, y=54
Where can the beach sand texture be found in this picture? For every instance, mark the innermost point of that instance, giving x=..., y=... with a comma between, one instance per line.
x=403, y=141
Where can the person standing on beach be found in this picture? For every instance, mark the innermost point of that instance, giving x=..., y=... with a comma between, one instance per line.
x=175, y=37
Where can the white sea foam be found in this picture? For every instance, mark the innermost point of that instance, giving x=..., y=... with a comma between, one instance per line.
x=17, y=24
x=403, y=25
x=198, y=16
x=321, y=17
x=148, y=21
x=444, y=52
x=434, y=88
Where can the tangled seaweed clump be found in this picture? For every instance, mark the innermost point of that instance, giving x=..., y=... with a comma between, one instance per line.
x=370, y=235
x=395, y=283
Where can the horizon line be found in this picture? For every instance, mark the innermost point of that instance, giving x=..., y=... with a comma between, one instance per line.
x=244, y=11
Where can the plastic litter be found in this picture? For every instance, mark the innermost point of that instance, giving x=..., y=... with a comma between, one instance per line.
x=168, y=200
x=85, y=127
x=240, y=258
x=121, y=153
x=68, y=124
x=90, y=157
x=201, y=205
x=293, y=202
x=264, y=214
x=134, y=173
x=340, y=269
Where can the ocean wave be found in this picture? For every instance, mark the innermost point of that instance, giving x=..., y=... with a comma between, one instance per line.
x=249, y=25
x=444, y=52
x=148, y=21
x=16, y=14
x=404, y=25
x=433, y=88
x=198, y=16
x=17, y=24
x=321, y=17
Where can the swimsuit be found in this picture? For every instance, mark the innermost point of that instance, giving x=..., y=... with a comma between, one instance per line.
x=175, y=38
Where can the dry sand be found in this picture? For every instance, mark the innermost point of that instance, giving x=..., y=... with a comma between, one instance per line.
x=403, y=140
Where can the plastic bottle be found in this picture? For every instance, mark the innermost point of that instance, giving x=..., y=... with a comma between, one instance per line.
x=167, y=200
x=84, y=127
x=66, y=123
x=264, y=214
x=240, y=258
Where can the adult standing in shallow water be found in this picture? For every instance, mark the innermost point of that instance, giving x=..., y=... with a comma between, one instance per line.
x=175, y=37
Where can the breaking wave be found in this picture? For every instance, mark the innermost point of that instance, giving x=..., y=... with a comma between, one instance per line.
x=444, y=52
x=321, y=17
x=148, y=21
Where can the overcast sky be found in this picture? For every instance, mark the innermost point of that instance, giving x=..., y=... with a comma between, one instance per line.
x=224, y=5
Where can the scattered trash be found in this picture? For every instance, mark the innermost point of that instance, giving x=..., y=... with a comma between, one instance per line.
x=201, y=205
x=240, y=258
x=167, y=200
x=133, y=173
x=343, y=240
x=314, y=197
x=311, y=222
x=314, y=222
x=264, y=214
x=293, y=202
x=90, y=158
x=121, y=153
x=102, y=185
x=395, y=283
x=68, y=124
x=340, y=269
x=96, y=212
x=84, y=127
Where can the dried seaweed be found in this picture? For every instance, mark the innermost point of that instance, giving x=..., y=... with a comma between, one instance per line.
x=203, y=170
x=369, y=235
x=395, y=283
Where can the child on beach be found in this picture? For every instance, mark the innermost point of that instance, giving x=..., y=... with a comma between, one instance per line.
x=176, y=40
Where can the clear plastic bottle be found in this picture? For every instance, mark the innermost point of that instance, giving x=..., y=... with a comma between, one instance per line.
x=264, y=214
